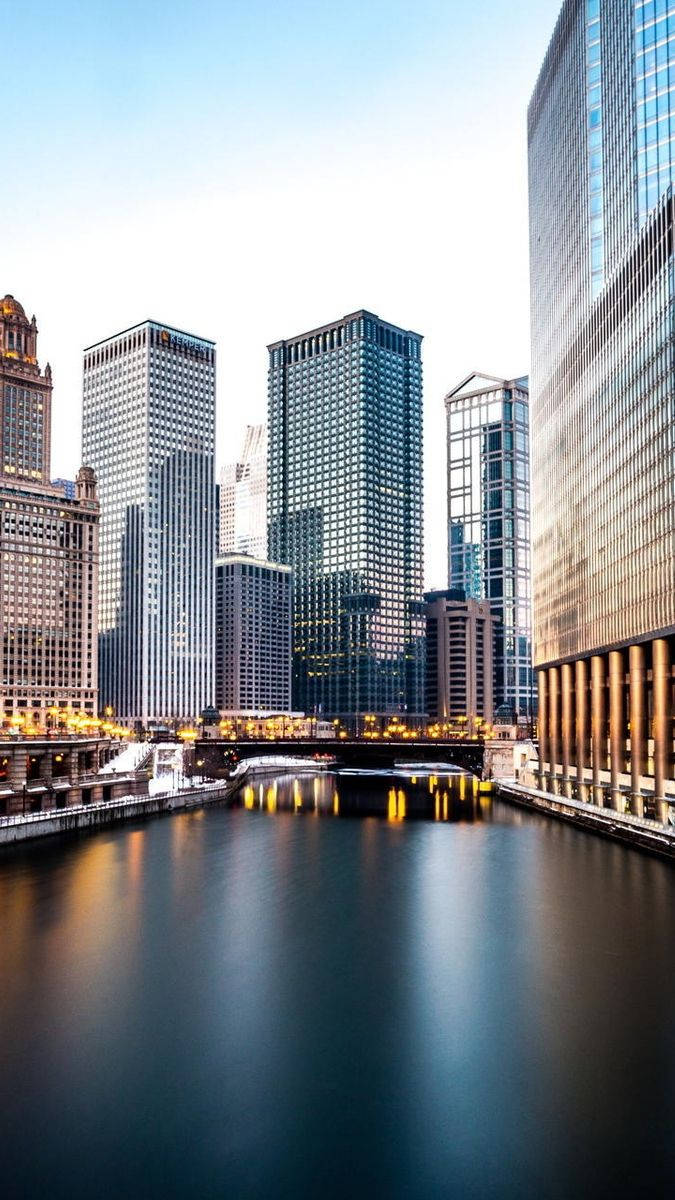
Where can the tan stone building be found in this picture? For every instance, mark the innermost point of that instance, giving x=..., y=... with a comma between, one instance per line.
x=48, y=547
x=459, y=666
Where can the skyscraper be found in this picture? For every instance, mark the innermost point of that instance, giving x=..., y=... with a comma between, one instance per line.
x=345, y=511
x=243, y=498
x=48, y=547
x=149, y=430
x=601, y=133
x=489, y=520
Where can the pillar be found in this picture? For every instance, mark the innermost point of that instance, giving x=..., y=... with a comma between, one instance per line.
x=663, y=723
x=598, y=725
x=542, y=725
x=582, y=728
x=567, y=723
x=617, y=726
x=638, y=724
x=17, y=774
x=554, y=723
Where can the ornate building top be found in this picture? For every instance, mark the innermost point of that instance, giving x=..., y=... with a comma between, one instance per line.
x=25, y=397
x=18, y=339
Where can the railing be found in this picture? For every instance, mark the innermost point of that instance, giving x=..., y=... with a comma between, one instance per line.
x=163, y=799
x=610, y=814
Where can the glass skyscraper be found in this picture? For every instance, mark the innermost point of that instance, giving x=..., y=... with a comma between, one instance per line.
x=149, y=431
x=489, y=520
x=243, y=498
x=345, y=512
x=601, y=133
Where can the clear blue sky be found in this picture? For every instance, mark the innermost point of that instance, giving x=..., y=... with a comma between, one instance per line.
x=250, y=170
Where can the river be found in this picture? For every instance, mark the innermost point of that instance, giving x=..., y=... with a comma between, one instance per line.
x=316, y=994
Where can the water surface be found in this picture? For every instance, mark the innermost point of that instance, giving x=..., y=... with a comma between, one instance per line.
x=290, y=1003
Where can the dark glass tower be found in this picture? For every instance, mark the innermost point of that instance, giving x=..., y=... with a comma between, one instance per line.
x=345, y=512
x=601, y=133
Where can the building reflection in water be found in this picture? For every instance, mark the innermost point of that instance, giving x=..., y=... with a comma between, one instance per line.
x=395, y=795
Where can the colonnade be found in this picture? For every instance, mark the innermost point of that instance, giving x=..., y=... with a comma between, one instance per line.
x=606, y=728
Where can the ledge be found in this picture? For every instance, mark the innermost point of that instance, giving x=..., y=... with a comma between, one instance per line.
x=639, y=832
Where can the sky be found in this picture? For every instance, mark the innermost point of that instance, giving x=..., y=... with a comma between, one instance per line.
x=248, y=170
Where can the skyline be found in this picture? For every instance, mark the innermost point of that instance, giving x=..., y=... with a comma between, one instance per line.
x=247, y=176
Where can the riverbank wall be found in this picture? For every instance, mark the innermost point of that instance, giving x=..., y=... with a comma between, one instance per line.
x=638, y=832
x=20, y=828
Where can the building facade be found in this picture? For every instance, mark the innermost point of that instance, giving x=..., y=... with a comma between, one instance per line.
x=253, y=635
x=149, y=429
x=601, y=140
x=459, y=666
x=243, y=498
x=489, y=520
x=48, y=548
x=345, y=511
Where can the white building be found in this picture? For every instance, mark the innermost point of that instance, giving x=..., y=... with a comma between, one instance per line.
x=243, y=498
x=149, y=432
x=253, y=635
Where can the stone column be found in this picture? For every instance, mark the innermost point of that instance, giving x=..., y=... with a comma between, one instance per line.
x=554, y=723
x=542, y=725
x=663, y=722
x=567, y=723
x=617, y=726
x=598, y=724
x=638, y=725
x=17, y=774
x=582, y=725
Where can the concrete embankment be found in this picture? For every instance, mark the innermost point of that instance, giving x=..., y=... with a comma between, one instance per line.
x=21, y=828
x=638, y=832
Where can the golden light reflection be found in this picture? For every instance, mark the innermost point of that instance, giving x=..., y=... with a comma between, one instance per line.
x=336, y=804
x=249, y=796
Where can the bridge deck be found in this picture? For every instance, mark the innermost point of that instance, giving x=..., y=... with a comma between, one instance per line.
x=468, y=755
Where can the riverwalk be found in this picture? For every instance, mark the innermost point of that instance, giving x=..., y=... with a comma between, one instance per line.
x=639, y=832
x=20, y=827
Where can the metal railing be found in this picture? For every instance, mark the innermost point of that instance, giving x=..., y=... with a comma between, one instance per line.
x=212, y=790
x=610, y=814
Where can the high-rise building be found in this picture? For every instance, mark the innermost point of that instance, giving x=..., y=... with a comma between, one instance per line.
x=459, y=646
x=243, y=498
x=253, y=635
x=48, y=547
x=67, y=486
x=601, y=133
x=345, y=511
x=489, y=520
x=149, y=430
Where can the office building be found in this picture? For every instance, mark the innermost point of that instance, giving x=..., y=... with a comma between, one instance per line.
x=489, y=520
x=459, y=650
x=67, y=486
x=601, y=132
x=148, y=430
x=48, y=548
x=243, y=498
x=345, y=511
x=253, y=635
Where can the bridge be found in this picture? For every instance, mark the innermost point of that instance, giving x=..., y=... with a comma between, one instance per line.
x=215, y=756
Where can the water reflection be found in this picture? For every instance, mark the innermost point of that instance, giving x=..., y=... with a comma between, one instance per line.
x=397, y=795
x=218, y=1004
